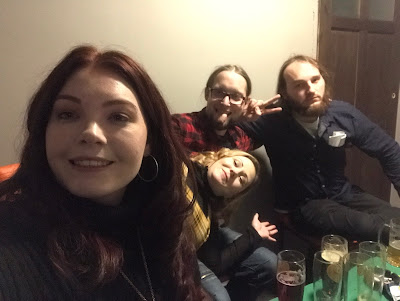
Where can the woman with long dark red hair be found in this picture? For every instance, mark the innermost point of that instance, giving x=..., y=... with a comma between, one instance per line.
x=96, y=209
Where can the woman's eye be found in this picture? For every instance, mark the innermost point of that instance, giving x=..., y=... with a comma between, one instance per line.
x=242, y=180
x=119, y=117
x=66, y=115
x=237, y=163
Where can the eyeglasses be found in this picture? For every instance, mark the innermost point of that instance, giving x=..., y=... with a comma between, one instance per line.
x=234, y=98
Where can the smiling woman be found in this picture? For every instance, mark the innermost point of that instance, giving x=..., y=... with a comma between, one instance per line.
x=96, y=136
x=83, y=225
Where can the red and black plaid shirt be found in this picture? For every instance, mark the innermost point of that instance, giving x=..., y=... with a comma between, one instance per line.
x=197, y=136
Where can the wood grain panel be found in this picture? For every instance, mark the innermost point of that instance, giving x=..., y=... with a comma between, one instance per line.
x=376, y=84
x=343, y=60
x=364, y=56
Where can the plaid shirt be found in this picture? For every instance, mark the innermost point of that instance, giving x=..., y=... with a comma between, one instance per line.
x=197, y=136
x=199, y=222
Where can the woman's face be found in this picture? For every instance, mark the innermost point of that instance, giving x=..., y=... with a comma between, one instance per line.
x=96, y=136
x=231, y=175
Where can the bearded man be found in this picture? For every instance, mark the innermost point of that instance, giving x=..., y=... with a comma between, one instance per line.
x=306, y=144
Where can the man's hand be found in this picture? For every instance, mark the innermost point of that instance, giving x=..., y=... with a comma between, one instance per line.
x=264, y=229
x=254, y=108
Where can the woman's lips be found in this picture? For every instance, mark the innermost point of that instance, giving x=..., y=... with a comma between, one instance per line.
x=225, y=175
x=90, y=162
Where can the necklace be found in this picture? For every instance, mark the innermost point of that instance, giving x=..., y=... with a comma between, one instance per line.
x=145, y=269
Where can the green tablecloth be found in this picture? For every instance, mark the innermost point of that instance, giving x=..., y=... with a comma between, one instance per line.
x=309, y=292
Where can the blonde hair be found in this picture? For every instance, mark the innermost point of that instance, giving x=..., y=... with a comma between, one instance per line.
x=210, y=157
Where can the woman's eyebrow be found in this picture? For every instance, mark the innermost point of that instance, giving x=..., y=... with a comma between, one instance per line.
x=108, y=103
x=118, y=101
x=68, y=97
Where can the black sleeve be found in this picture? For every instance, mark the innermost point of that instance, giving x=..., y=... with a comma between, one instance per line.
x=219, y=258
x=264, y=128
x=375, y=142
x=254, y=130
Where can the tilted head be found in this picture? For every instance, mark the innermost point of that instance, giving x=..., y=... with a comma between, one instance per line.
x=227, y=88
x=304, y=86
x=230, y=173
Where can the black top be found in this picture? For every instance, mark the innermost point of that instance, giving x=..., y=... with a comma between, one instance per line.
x=26, y=272
x=307, y=168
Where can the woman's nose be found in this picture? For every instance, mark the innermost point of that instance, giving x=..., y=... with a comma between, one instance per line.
x=93, y=134
x=234, y=171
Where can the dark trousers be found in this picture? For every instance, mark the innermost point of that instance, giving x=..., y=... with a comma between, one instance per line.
x=358, y=216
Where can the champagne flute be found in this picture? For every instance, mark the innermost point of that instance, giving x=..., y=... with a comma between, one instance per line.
x=291, y=275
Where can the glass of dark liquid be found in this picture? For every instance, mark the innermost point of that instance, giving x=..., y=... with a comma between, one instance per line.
x=291, y=275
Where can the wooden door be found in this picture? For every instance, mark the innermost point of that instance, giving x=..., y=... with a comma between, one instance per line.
x=359, y=42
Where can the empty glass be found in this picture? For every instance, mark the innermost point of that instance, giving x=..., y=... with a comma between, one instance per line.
x=327, y=276
x=378, y=262
x=358, y=277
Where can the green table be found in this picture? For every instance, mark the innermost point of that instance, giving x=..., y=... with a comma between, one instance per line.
x=309, y=291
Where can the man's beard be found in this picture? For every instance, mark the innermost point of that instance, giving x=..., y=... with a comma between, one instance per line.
x=219, y=126
x=309, y=110
x=215, y=124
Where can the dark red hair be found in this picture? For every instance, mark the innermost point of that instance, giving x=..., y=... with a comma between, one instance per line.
x=36, y=182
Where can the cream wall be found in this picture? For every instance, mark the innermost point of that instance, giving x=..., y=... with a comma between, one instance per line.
x=178, y=41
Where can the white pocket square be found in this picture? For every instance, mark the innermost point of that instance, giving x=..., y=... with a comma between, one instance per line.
x=337, y=139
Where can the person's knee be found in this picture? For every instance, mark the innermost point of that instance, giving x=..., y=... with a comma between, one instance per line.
x=265, y=272
x=367, y=228
x=213, y=286
x=259, y=268
x=227, y=235
x=268, y=259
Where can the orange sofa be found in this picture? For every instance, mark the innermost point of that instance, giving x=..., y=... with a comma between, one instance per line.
x=7, y=171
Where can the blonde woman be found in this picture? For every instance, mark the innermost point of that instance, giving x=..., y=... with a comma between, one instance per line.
x=221, y=178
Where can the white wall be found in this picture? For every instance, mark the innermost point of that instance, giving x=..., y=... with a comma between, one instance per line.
x=178, y=41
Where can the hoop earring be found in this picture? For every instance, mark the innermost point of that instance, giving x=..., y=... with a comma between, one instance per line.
x=155, y=174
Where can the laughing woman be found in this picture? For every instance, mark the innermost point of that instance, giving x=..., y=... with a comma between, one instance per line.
x=84, y=216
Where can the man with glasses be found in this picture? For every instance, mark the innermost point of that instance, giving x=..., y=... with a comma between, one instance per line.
x=227, y=94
